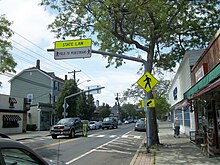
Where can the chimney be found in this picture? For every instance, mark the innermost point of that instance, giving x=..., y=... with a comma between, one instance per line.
x=65, y=77
x=38, y=64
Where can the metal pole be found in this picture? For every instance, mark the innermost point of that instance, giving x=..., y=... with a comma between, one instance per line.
x=64, y=115
x=78, y=94
x=147, y=110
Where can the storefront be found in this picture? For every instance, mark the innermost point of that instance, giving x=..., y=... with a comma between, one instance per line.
x=13, y=114
x=204, y=97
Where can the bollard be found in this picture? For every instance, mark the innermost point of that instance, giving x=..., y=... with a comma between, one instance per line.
x=85, y=130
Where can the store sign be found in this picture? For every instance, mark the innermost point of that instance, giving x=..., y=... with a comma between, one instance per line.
x=201, y=72
x=8, y=102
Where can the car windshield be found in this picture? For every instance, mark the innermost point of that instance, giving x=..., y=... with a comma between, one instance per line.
x=140, y=121
x=64, y=121
x=106, y=119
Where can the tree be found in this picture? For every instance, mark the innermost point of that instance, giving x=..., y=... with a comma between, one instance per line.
x=128, y=110
x=164, y=30
x=104, y=110
x=68, y=88
x=162, y=107
x=85, y=106
x=6, y=60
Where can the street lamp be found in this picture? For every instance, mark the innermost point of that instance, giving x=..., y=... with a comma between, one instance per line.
x=83, y=82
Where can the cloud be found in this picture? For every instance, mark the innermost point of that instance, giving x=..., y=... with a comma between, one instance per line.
x=32, y=38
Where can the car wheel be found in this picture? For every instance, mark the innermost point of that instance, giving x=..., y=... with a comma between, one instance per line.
x=72, y=134
x=103, y=128
x=116, y=126
x=54, y=136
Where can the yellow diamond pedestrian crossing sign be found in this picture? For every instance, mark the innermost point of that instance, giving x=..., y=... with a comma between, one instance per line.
x=147, y=82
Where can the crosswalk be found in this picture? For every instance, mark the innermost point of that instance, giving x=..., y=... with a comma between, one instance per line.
x=128, y=137
x=115, y=136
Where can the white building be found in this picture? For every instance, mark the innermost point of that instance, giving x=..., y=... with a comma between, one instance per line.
x=180, y=84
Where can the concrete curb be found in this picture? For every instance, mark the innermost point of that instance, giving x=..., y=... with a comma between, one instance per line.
x=136, y=154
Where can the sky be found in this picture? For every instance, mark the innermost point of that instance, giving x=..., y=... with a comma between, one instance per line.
x=31, y=40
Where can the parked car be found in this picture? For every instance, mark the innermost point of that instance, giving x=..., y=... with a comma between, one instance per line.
x=110, y=122
x=126, y=122
x=13, y=152
x=100, y=124
x=93, y=125
x=140, y=125
x=119, y=122
x=67, y=126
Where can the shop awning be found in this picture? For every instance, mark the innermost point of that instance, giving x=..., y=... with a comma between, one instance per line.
x=206, y=89
x=11, y=118
x=182, y=105
x=213, y=74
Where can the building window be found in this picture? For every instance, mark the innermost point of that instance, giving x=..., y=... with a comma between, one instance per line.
x=56, y=85
x=175, y=93
x=11, y=121
x=30, y=98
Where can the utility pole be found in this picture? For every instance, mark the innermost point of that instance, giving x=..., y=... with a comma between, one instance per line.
x=74, y=74
x=118, y=105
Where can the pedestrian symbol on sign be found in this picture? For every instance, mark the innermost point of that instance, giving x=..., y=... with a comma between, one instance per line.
x=147, y=82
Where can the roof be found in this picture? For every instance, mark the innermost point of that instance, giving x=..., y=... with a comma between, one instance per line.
x=51, y=75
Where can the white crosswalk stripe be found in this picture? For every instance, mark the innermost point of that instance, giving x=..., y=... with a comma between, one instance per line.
x=131, y=137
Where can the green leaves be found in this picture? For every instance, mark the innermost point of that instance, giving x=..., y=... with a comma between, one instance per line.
x=165, y=30
x=7, y=62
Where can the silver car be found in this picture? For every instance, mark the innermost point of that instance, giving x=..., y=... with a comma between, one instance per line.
x=140, y=125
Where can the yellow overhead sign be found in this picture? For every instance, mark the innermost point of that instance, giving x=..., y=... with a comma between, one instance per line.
x=73, y=44
x=150, y=103
x=147, y=82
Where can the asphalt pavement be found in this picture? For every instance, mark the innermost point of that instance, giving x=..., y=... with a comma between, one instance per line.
x=176, y=151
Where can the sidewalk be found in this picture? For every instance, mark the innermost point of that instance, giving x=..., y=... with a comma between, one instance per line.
x=173, y=151
x=29, y=135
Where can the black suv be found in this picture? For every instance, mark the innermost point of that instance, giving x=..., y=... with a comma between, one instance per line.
x=67, y=126
x=110, y=122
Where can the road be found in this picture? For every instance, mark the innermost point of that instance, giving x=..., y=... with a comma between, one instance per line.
x=100, y=147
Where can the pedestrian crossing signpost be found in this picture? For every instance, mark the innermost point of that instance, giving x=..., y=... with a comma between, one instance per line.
x=147, y=82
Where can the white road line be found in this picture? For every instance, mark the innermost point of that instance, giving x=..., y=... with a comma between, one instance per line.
x=77, y=158
x=124, y=144
x=137, y=137
x=124, y=136
x=100, y=136
x=129, y=153
x=112, y=136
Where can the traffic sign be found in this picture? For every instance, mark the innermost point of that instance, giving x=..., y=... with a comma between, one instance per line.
x=150, y=103
x=147, y=82
x=73, y=44
x=94, y=91
x=84, y=52
x=67, y=105
x=71, y=49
